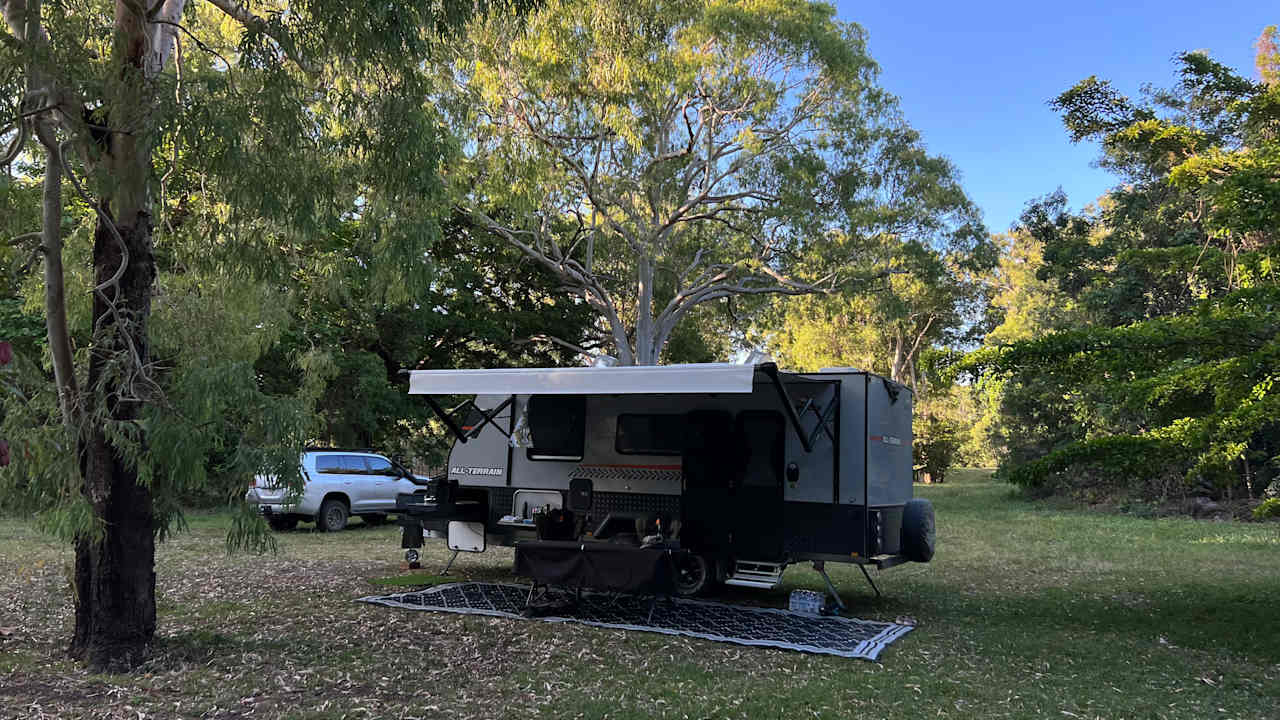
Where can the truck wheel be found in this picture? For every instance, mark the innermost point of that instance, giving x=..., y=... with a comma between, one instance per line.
x=282, y=524
x=693, y=574
x=919, y=534
x=333, y=515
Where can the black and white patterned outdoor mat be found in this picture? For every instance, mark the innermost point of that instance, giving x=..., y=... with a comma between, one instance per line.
x=768, y=627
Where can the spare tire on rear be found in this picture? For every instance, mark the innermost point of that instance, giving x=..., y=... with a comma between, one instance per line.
x=918, y=531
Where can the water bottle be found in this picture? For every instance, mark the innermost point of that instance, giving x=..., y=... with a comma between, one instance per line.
x=806, y=601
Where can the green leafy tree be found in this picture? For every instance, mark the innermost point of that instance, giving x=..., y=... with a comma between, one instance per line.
x=1164, y=378
x=923, y=228
x=486, y=305
x=1016, y=418
x=203, y=144
x=655, y=157
x=936, y=442
x=930, y=236
x=929, y=300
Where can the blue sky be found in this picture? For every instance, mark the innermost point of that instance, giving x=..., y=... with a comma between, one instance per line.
x=975, y=77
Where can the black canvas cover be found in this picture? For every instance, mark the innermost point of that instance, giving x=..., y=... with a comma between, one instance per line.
x=598, y=565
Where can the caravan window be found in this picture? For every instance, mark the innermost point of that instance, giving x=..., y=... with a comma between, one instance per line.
x=650, y=434
x=557, y=427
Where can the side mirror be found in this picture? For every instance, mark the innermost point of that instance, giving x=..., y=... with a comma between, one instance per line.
x=793, y=472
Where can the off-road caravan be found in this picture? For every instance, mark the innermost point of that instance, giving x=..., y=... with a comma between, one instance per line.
x=744, y=468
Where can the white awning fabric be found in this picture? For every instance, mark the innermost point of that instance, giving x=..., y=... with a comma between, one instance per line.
x=644, y=380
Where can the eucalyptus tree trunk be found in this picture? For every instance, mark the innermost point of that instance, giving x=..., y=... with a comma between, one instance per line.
x=115, y=571
x=114, y=580
x=115, y=562
x=906, y=348
x=646, y=351
x=899, y=356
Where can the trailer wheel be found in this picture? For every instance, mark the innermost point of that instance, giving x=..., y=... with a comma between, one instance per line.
x=693, y=574
x=919, y=534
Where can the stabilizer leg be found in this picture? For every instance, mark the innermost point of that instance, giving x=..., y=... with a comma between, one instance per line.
x=867, y=575
x=450, y=563
x=821, y=567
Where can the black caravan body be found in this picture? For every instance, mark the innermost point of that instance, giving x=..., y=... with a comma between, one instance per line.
x=748, y=467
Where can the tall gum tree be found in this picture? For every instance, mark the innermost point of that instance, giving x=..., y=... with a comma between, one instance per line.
x=103, y=105
x=922, y=226
x=658, y=156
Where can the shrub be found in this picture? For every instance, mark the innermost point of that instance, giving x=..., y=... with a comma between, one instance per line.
x=937, y=440
x=1269, y=508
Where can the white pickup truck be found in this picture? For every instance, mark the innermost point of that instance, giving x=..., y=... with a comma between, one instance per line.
x=336, y=485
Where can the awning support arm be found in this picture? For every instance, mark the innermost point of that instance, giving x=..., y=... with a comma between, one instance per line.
x=824, y=417
x=805, y=407
x=490, y=416
x=446, y=419
x=486, y=417
x=772, y=371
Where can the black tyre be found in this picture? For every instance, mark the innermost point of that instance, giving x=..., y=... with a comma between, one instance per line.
x=333, y=515
x=282, y=524
x=919, y=534
x=694, y=574
x=377, y=519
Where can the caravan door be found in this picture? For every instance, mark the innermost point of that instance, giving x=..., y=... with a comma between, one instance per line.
x=757, y=501
x=733, y=469
x=710, y=465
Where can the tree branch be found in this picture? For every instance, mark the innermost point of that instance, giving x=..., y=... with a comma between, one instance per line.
x=557, y=341
x=241, y=14
x=572, y=272
x=25, y=238
x=164, y=13
x=19, y=141
x=202, y=46
x=55, y=304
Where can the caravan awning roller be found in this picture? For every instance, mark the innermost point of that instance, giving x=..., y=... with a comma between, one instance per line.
x=700, y=379
x=640, y=380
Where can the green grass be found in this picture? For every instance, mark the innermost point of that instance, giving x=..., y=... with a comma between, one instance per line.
x=418, y=579
x=1028, y=610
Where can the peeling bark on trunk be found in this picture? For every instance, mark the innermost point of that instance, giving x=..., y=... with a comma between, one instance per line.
x=115, y=566
x=115, y=573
